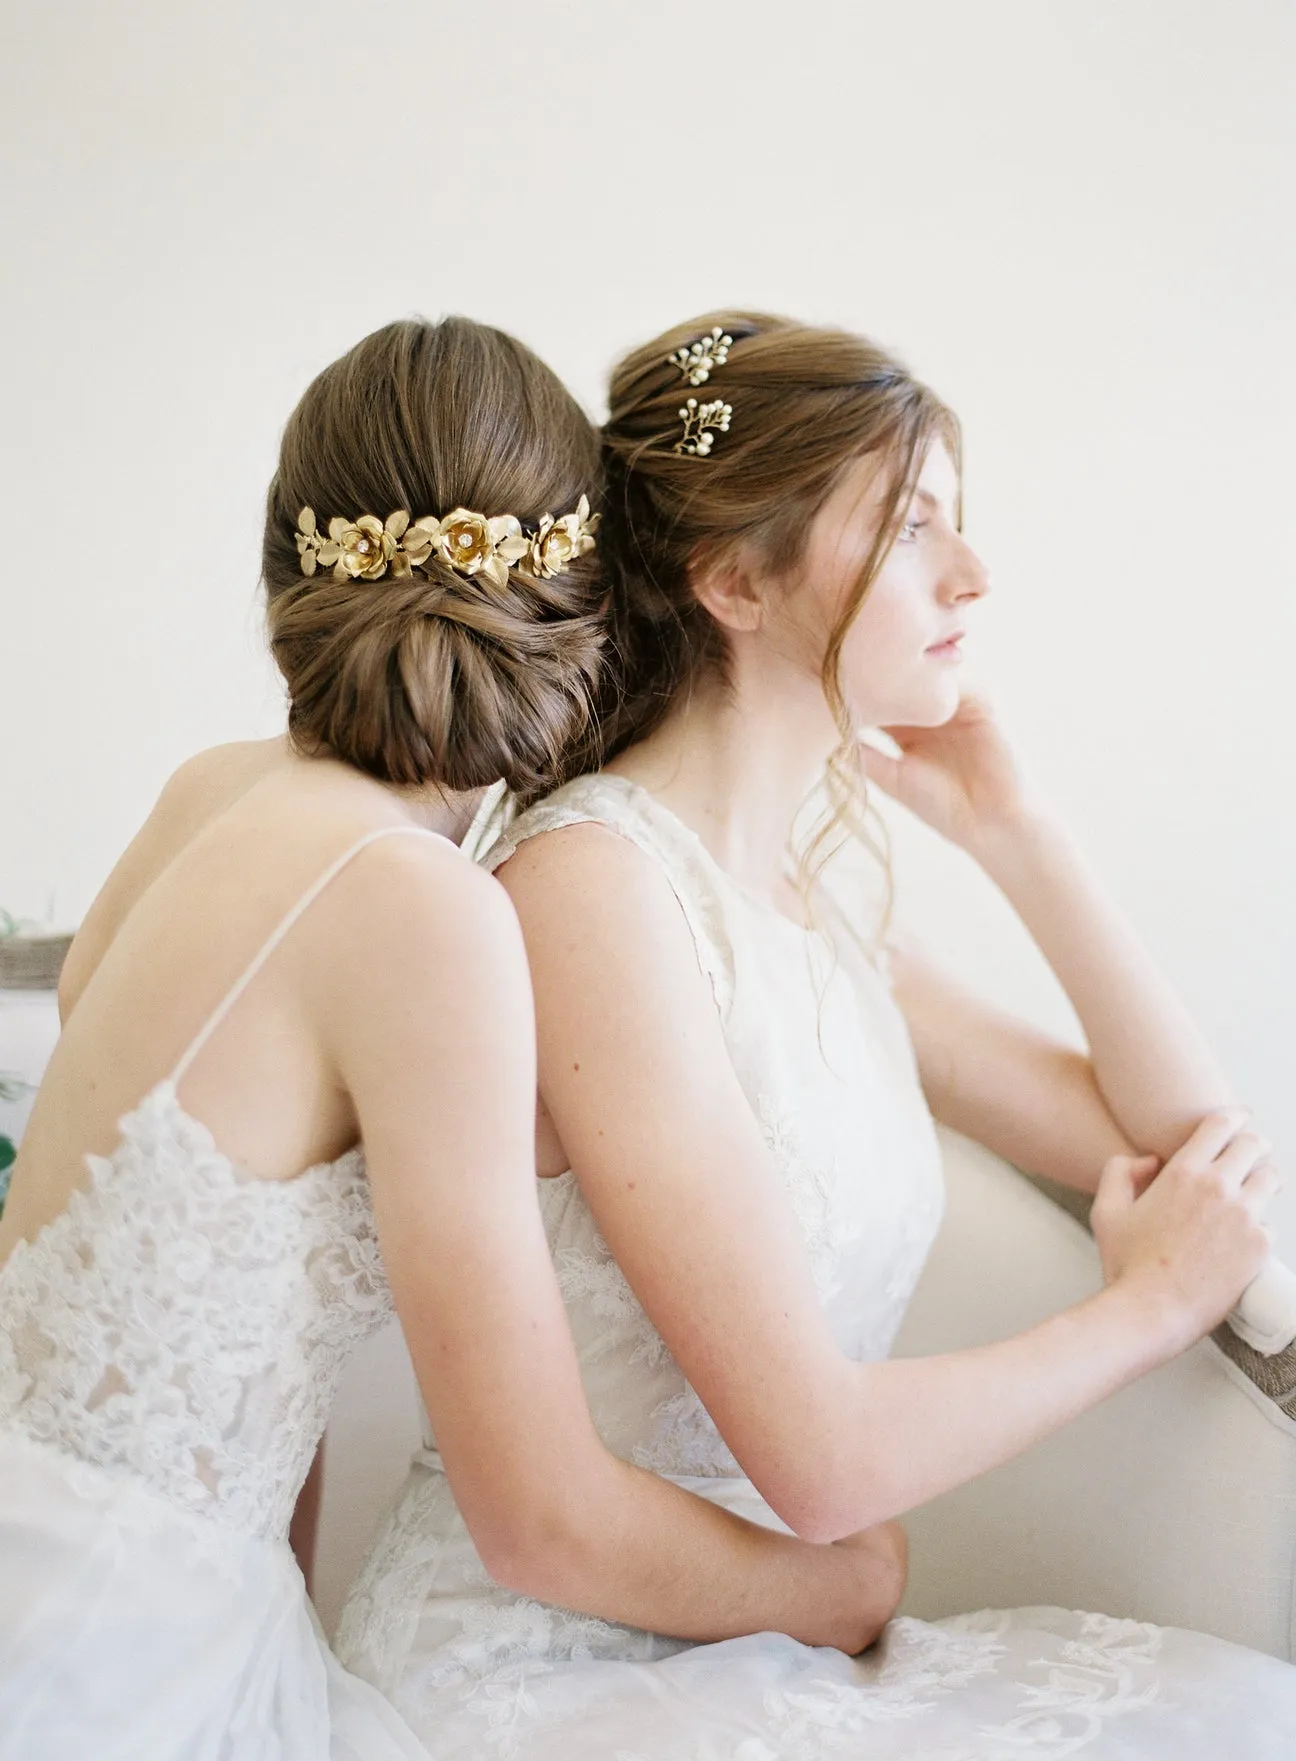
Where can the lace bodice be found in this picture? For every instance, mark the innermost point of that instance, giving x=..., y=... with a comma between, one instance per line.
x=185, y=1324
x=824, y=1058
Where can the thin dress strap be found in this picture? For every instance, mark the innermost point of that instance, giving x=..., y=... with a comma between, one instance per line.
x=303, y=905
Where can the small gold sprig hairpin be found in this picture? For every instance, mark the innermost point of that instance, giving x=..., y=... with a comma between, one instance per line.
x=695, y=360
x=702, y=422
x=366, y=548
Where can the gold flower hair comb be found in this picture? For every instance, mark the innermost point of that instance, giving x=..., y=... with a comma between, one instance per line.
x=702, y=422
x=695, y=360
x=365, y=549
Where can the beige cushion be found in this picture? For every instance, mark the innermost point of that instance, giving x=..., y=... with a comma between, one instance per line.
x=1174, y=1501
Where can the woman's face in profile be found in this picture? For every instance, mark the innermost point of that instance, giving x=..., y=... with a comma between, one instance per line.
x=901, y=657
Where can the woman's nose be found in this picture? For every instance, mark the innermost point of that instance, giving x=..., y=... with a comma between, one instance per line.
x=966, y=576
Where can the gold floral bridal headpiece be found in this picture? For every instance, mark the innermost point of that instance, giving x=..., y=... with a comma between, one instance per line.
x=367, y=548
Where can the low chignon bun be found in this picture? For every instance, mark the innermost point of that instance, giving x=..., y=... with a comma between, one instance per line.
x=438, y=676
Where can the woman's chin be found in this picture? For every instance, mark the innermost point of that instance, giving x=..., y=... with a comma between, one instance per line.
x=926, y=709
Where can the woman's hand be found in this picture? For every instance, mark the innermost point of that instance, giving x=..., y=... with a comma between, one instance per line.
x=963, y=778
x=1191, y=1237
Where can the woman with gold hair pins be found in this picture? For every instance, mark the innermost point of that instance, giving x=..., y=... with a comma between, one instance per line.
x=738, y=1073
x=296, y=1087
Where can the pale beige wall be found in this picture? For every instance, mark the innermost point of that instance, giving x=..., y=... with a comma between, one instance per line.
x=1076, y=220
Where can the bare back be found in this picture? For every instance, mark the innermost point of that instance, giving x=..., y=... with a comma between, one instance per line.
x=238, y=836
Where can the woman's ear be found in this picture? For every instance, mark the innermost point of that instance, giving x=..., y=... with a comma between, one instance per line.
x=726, y=586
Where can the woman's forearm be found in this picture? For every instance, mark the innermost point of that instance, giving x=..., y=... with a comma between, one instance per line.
x=1154, y=1069
x=953, y=1417
x=634, y=1548
x=910, y=1429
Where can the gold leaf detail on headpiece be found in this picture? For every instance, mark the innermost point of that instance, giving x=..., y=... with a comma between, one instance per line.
x=695, y=360
x=702, y=422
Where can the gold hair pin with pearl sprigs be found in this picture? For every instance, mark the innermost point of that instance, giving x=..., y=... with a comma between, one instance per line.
x=695, y=360
x=702, y=422
x=367, y=548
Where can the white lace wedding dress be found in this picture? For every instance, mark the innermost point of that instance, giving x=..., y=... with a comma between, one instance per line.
x=169, y=1349
x=481, y=1672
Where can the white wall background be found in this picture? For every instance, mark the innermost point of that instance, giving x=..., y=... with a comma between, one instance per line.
x=1076, y=220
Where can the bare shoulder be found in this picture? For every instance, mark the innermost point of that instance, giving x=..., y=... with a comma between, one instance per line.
x=204, y=785
x=196, y=793
x=420, y=873
x=602, y=921
x=417, y=964
x=416, y=902
x=585, y=866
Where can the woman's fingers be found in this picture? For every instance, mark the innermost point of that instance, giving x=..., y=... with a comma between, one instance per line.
x=1146, y=1169
x=1241, y=1157
x=1123, y=1178
x=1259, y=1189
x=1210, y=1139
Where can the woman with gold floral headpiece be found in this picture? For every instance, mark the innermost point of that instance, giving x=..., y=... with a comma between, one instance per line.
x=739, y=1067
x=294, y=960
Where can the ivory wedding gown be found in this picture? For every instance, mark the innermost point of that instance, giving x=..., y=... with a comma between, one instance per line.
x=481, y=1672
x=169, y=1350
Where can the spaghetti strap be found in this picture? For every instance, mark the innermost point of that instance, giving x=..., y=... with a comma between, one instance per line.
x=303, y=905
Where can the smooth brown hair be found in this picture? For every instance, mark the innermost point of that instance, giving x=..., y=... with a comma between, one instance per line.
x=440, y=677
x=806, y=403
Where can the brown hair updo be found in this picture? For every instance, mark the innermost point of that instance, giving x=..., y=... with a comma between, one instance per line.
x=439, y=677
x=806, y=403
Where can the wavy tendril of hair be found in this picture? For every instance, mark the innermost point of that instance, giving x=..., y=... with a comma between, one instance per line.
x=440, y=677
x=807, y=402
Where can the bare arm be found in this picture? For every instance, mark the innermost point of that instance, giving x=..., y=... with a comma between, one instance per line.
x=1150, y=1062
x=1022, y=1093
x=638, y=1082
x=434, y=1037
x=1147, y=1076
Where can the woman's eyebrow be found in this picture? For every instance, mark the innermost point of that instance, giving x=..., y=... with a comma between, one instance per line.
x=929, y=499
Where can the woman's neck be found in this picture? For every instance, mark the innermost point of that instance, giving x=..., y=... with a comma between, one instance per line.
x=449, y=812
x=737, y=770
x=446, y=811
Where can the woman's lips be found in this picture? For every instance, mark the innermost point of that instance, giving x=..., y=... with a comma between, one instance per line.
x=949, y=649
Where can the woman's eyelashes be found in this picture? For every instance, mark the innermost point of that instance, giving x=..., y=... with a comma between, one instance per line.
x=909, y=531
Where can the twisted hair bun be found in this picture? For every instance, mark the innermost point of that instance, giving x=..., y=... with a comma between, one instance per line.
x=437, y=676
